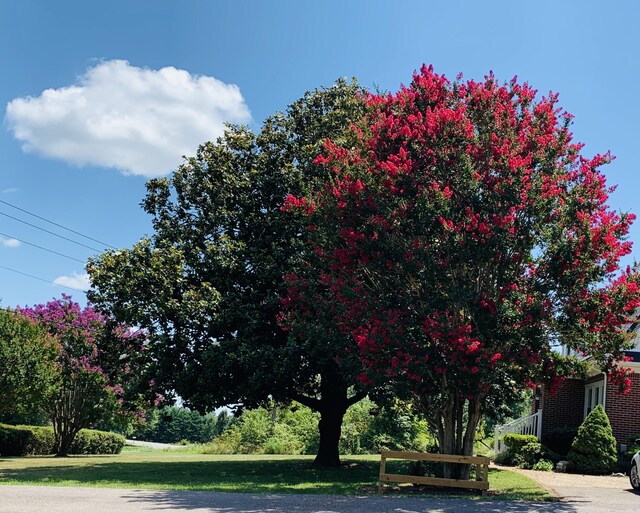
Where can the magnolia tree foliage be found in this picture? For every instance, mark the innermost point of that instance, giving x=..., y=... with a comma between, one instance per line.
x=207, y=284
x=462, y=233
x=27, y=364
x=98, y=364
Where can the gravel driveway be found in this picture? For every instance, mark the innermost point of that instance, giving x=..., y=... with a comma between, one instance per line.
x=600, y=493
x=153, y=445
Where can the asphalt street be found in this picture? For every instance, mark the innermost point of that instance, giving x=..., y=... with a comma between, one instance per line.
x=44, y=499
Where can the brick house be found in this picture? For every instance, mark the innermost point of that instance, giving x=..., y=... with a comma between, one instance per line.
x=569, y=406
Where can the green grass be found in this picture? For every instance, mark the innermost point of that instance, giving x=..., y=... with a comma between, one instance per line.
x=484, y=447
x=183, y=470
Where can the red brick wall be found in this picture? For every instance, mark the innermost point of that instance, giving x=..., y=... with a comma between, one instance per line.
x=565, y=408
x=623, y=410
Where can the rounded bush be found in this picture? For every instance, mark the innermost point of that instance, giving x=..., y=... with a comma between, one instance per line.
x=529, y=455
x=544, y=465
x=90, y=441
x=515, y=442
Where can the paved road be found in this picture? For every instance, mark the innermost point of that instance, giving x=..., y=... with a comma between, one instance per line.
x=33, y=499
x=596, y=493
x=600, y=497
x=154, y=445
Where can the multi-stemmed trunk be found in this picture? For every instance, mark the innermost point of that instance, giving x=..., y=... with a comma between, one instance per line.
x=68, y=416
x=455, y=426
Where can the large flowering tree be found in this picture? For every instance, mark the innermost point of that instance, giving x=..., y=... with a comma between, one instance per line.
x=100, y=374
x=461, y=236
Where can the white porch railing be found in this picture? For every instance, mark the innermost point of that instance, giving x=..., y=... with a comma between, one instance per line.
x=530, y=425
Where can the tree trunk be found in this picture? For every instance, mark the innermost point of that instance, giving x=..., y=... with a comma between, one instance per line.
x=64, y=441
x=456, y=429
x=66, y=416
x=332, y=404
x=62, y=431
x=332, y=407
x=330, y=427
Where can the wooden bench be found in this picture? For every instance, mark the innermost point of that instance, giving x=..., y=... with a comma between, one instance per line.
x=481, y=462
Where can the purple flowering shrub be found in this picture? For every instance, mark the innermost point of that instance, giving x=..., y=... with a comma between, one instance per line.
x=100, y=365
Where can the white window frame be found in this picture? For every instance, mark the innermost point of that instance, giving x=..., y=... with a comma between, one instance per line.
x=594, y=394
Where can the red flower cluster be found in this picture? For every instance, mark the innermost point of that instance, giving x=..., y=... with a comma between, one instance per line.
x=461, y=234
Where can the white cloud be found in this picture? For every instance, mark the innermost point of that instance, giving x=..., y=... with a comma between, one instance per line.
x=9, y=190
x=138, y=120
x=76, y=281
x=10, y=243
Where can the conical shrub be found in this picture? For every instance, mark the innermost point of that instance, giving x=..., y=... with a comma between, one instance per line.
x=594, y=448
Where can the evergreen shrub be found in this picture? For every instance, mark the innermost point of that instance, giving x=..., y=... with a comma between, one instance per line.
x=594, y=448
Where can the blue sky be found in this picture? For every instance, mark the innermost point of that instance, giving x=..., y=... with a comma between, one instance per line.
x=99, y=96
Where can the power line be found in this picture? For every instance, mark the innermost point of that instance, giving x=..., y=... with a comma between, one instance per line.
x=40, y=279
x=43, y=248
x=56, y=224
x=50, y=232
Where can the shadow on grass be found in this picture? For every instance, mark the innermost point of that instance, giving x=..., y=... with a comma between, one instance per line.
x=278, y=476
x=268, y=476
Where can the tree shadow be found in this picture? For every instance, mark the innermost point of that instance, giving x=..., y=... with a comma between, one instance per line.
x=291, y=503
x=272, y=486
x=257, y=476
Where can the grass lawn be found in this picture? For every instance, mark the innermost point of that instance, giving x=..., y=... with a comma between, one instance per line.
x=184, y=470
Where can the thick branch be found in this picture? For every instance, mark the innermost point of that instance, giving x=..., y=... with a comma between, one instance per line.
x=358, y=396
x=309, y=402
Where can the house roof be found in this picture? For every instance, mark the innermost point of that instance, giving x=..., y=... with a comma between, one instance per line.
x=634, y=355
x=634, y=330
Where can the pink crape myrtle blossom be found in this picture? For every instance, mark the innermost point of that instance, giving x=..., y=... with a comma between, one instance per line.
x=98, y=366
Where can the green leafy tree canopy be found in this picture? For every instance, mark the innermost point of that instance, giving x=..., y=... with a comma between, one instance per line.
x=28, y=370
x=207, y=285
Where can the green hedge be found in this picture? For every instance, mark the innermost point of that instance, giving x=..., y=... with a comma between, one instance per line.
x=90, y=441
x=515, y=442
x=34, y=440
x=632, y=448
x=25, y=440
x=559, y=439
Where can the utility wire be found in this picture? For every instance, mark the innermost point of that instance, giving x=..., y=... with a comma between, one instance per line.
x=43, y=248
x=56, y=224
x=52, y=233
x=41, y=279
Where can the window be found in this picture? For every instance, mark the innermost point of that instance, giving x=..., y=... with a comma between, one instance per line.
x=593, y=396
